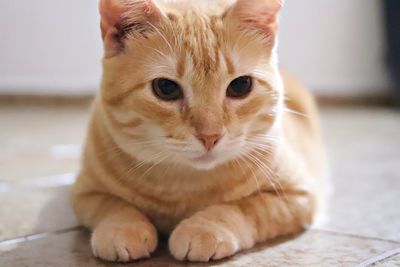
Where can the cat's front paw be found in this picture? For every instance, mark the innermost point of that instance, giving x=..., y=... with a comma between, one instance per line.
x=201, y=240
x=124, y=242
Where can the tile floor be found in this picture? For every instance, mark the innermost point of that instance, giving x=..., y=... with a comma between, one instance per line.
x=39, y=155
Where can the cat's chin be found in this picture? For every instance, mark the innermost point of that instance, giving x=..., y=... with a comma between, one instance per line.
x=205, y=162
x=208, y=161
x=204, y=166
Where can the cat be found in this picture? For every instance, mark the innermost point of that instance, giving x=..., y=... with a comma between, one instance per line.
x=196, y=134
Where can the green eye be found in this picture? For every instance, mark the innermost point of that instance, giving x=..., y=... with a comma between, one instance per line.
x=167, y=90
x=240, y=87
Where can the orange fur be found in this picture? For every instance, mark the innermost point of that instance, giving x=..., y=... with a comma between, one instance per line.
x=144, y=168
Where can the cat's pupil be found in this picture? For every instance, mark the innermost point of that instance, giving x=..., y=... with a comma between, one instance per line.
x=240, y=87
x=166, y=89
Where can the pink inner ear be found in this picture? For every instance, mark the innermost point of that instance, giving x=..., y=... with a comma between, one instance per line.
x=111, y=12
x=258, y=13
x=116, y=13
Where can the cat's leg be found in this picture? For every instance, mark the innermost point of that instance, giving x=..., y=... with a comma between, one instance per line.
x=120, y=231
x=220, y=231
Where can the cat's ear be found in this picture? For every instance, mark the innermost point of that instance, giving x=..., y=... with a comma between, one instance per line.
x=257, y=14
x=119, y=17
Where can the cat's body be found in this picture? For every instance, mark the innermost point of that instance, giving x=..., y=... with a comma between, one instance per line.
x=152, y=164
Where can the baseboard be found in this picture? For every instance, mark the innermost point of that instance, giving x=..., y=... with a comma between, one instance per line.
x=46, y=100
x=369, y=100
x=323, y=100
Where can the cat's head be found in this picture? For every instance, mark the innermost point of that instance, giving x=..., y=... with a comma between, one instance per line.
x=190, y=82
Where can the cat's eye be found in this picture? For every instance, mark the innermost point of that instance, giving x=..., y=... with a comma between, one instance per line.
x=240, y=87
x=166, y=89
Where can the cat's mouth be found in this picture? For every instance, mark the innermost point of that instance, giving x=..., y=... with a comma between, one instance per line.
x=208, y=157
x=206, y=161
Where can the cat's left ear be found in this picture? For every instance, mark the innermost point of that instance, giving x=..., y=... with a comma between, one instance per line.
x=261, y=15
x=118, y=17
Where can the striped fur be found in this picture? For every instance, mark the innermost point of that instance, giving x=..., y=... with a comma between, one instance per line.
x=143, y=170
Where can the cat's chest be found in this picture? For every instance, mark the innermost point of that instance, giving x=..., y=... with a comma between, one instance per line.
x=167, y=205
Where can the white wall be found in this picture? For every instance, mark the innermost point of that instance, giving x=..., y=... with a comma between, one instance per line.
x=49, y=46
x=335, y=46
x=54, y=46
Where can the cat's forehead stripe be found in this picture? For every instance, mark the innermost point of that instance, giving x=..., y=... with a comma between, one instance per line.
x=229, y=64
x=180, y=66
x=201, y=43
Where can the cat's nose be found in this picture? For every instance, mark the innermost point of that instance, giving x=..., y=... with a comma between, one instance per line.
x=209, y=141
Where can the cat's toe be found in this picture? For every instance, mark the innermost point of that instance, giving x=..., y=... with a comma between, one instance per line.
x=124, y=243
x=201, y=242
x=224, y=249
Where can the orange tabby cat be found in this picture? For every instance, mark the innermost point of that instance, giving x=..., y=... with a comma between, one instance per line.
x=190, y=134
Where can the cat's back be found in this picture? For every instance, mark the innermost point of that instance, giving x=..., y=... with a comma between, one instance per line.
x=301, y=123
x=300, y=102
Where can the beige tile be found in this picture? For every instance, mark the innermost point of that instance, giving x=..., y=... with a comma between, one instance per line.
x=27, y=212
x=310, y=249
x=40, y=153
x=364, y=148
x=388, y=258
x=389, y=262
x=39, y=141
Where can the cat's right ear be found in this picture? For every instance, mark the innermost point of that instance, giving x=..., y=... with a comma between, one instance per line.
x=118, y=17
x=261, y=15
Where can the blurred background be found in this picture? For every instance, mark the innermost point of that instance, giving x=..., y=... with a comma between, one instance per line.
x=53, y=47
x=346, y=51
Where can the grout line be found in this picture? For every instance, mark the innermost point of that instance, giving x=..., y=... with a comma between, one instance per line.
x=17, y=240
x=355, y=235
x=383, y=256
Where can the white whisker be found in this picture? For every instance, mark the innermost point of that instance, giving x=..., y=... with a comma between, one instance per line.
x=154, y=165
x=274, y=180
x=162, y=36
x=134, y=168
x=295, y=112
x=243, y=156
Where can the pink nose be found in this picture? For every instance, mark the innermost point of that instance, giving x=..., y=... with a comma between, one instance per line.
x=209, y=141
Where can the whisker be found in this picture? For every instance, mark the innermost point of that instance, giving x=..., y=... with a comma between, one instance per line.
x=268, y=147
x=271, y=144
x=254, y=176
x=264, y=136
x=154, y=165
x=295, y=112
x=134, y=168
x=268, y=169
x=162, y=36
x=176, y=38
x=159, y=52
